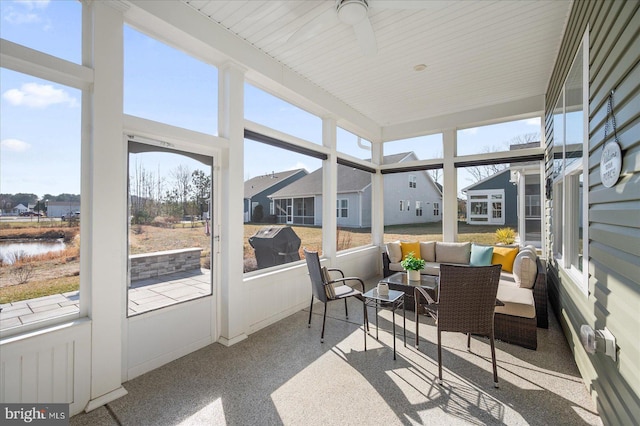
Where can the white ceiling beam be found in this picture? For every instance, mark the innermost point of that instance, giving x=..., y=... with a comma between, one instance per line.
x=515, y=110
x=28, y=61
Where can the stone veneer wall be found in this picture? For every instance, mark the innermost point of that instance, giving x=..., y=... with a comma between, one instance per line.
x=149, y=265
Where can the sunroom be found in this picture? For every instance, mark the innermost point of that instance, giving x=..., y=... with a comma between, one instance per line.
x=143, y=94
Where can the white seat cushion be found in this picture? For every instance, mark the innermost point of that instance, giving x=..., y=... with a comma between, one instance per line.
x=517, y=301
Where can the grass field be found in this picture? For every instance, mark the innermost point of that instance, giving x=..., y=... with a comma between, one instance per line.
x=59, y=273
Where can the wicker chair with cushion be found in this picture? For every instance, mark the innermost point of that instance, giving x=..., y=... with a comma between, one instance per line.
x=466, y=303
x=326, y=289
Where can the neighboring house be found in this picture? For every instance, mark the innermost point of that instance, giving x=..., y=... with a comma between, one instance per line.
x=409, y=197
x=258, y=189
x=20, y=208
x=511, y=197
x=493, y=201
x=62, y=208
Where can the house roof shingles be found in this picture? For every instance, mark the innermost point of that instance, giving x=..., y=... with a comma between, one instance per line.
x=349, y=180
x=258, y=184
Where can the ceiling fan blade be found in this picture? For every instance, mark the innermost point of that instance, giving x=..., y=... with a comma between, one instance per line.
x=401, y=4
x=314, y=26
x=366, y=37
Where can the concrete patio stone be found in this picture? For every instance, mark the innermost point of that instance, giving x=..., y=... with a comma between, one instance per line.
x=144, y=295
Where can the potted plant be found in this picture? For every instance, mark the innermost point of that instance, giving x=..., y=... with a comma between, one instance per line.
x=505, y=236
x=412, y=265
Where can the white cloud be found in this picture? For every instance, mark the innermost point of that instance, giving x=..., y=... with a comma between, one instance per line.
x=471, y=131
x=26, y=12
x=533, y=122
x=33, y=4
x=18, y=18
x=15, y=145
x=38, y=96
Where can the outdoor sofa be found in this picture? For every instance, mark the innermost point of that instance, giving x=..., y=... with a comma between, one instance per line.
x=522, y=289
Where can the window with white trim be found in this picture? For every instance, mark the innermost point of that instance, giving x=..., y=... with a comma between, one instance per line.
x=570, y=191
x=41, y=164
x=436, y=209
x=413, y=181
x=418, y=208
x=342, y=208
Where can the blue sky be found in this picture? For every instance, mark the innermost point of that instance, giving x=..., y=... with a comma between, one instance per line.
x=40, y=121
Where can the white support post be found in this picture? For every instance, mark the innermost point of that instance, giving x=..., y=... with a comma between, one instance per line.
x=521, y=205
x=377, y=197
x=450, y=184
x=329, y=190
x=104, y=203
x=231, y=126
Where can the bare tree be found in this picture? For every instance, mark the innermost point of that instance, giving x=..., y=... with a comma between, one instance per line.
x=482, y=172
x=435, y=174
x=181, y=187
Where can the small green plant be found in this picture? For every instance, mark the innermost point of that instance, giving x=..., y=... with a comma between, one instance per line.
x=412, y=263
x=505, y=236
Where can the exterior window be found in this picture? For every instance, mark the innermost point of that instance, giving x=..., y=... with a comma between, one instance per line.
x=343, y=208
x=412, y=181
x=418, y=208
x=153, y=77
x=353, y=209
x=401, y=205
x=408, y=205
x=52, y=27
x=40, y=175
x=570, y=192
x=170, y=195
x=436, y=209
x=286, y=205
x=486, y=206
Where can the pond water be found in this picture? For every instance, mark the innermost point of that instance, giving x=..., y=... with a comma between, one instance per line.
x=10, y=249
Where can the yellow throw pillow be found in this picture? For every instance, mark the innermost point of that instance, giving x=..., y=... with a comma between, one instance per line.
x=410, y=247
x=505, y=257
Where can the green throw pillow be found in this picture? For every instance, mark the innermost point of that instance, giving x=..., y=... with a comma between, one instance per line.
x=481, y=255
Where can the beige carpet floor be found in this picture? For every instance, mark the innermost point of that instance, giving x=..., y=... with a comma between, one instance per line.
x=283, y=375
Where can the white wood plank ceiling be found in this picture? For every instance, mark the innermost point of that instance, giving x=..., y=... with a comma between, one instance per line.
x=477, y=53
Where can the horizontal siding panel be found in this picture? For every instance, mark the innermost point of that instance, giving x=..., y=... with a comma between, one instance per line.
x=625, y=110
x=623, y=214
x=616, y=41
x=624, y=239
x=622, y=405
x=614, y=213
x=627, y=188
x=625, y=264
x=613, y=397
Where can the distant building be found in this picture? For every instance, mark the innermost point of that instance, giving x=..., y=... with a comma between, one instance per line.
x=20, y=208
x=62, y=208
x=258, y=189
x=511, y=197
x=409, y=197
x=493, y=201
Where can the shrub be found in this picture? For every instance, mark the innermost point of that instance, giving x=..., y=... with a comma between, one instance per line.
x=505, y=236
x=22, y=274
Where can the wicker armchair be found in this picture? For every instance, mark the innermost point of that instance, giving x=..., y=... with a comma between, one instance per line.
x=320, y=280
x=466, y=303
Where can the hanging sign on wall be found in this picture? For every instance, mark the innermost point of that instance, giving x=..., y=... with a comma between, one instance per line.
x=611, y=159
x=610, y=164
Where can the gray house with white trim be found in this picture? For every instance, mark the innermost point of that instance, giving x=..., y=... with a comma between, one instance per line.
x=258, y=189
x=409, y=197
